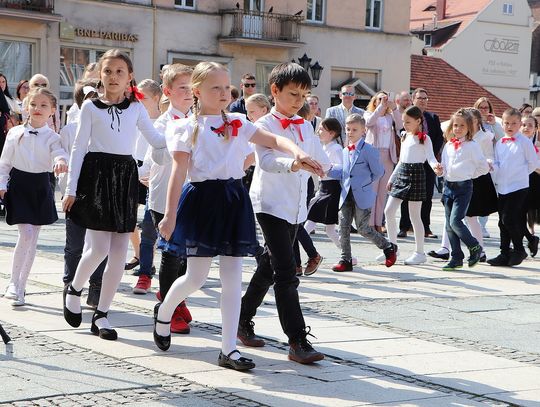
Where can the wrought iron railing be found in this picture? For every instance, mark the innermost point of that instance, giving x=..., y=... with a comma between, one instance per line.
x=42, y=6
x=260, y=25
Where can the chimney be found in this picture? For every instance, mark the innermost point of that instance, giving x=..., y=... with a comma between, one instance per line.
x=441, y=9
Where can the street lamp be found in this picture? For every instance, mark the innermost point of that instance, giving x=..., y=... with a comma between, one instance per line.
x=305, y=62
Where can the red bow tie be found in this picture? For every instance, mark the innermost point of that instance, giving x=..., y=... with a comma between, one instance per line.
x=285, y=122
x=421, y=136
x=176, y=117
x=235, y=124
x=504, y=140
x=351, y=147
x=456, y=142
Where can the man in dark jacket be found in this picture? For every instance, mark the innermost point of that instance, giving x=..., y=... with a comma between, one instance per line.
x=248, y=86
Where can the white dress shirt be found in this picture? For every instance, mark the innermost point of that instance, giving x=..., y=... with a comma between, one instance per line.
x=485, y=141
x=514, y=161
x=212, y=156
x=412, y=152
x=30, y=152
x=334, y=152
x=464, y=163
x=112, y=130
x=67, y=138
x=275, y=189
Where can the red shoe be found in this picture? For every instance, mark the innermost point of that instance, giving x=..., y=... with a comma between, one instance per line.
x=143, y=284
x=390, y=253
x=343, y=265
x=184, y=312
x=178, y=325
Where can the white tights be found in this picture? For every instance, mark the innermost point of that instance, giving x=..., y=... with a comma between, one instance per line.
x=23, y=256
x=230, y=274
x=329, y=229
x=98, y=245
x=415, y=207
x=474, y=226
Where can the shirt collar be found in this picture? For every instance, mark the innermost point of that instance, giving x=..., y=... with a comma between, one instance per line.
x=122, y=105
x=174, y=111
x=28, y=128
x=282, y=116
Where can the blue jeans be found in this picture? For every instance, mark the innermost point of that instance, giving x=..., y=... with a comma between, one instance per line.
x=73, y=251
x=456, y=199
x=148, y=241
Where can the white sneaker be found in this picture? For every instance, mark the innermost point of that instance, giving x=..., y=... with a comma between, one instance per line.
x=354, y=261
x=485, y=234
x=11, y=292
x=416, y=258
x=18, y=301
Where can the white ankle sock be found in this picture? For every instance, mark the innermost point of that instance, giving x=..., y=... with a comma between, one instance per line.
x=73, y=303
x=103, y=323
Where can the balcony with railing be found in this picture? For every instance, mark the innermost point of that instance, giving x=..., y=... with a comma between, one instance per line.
x=259, y=28
x=40, y=6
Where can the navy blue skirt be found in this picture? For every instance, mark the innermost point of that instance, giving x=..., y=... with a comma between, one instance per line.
x=214, y=218
x=30, y=198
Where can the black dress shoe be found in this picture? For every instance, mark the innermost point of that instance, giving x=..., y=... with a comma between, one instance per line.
x=108, y=334
x=162, y=342
x=434, y=254
x=517, y=257
x=429, y=235
x=132, y=264
x=500, y=261
x=72, y=318
x=239, y=364
x=402, y=233
x=533, y=246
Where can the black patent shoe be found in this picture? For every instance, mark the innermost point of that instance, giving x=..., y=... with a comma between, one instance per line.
x=239, y=364
x=162, y=342
x=104, y=333
x=435, y=255
x=72, y=318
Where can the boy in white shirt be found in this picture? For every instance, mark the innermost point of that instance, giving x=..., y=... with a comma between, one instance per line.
x=278, y=193
x=515, y=159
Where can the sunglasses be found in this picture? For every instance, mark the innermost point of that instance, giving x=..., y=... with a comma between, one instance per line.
x=249, y=85
x=348, y=93
x=41, y=85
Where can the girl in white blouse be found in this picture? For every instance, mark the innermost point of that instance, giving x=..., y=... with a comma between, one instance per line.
x=212, y=214
x=102, y=187
x=408, y=181
x=25, y=184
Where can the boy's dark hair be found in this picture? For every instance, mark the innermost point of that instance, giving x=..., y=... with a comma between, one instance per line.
x=289, y=72
x=512, y=112
x=333, y=125
x=248, y=76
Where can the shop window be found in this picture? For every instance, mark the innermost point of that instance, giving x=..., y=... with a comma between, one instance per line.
x=374, y=14
x=262, y=72
x=315, y=11
x=184, y=4
x=16, y=60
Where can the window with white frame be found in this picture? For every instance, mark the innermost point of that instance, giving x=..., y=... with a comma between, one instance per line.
x=315, y=11
x=508, y=9
x=16, y=59
x=374, y=14
x=184, y=4
x=427, y=40
x=262, y=72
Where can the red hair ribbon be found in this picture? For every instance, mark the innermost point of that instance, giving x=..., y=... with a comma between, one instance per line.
x=421, y=136
x=235, y=124
x=505, y=140
x=286, y=122
x=137, y=93
x=536, y=149
x=456, y=142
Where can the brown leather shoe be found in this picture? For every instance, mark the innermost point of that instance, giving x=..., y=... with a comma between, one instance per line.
x=246, y=334
x=302, y=352
x=313, y=264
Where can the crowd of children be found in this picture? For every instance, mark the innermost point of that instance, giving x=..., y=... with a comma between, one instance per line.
x=178, y=150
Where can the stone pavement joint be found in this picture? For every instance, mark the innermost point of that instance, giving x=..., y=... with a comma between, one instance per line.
x=332, y=311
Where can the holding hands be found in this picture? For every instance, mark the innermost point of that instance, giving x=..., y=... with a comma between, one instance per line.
x=60, y=167
x=304, y=162
x=438, y=169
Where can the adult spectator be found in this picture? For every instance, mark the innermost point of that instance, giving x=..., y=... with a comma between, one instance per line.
x=13, y=106
x=344, y=109
x=525, y=109
x=41, y=81
x=403, y=101
x=312, y=116
x=235, y=94
x=4, y=117
x=22, y=90
x=381, y=117
x=489, y=121
x=432, y=125
x=248, y=85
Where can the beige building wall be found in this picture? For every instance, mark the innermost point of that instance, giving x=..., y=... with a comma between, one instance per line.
x=495, y=51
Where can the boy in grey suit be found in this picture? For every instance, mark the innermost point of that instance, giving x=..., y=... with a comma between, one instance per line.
x=361, y=167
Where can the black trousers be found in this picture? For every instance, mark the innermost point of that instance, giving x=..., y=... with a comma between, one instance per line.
x=405, y=221
x=512, y=223
x=171, y=267
x=276, y=266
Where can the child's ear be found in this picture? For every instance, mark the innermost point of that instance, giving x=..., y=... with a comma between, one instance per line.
x=274, y=90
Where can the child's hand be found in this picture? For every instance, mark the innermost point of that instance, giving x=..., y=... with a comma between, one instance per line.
x=67, y=202
x=438, y=169
x=2, y=193
x=60, y=167
x=166, y=227
x=145, y=181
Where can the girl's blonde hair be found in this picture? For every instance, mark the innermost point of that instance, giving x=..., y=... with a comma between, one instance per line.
x=151, y=85
x=199, y=75
x=465, y=115
x=371, y=105
x=119, y=54
x=260, y=100
x=45, y=92
x=478, y=116
x=36, y=78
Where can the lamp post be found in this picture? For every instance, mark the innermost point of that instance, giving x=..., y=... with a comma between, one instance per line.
x=315, y=69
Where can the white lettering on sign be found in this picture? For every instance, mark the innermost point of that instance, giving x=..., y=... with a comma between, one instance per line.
x=106, y=35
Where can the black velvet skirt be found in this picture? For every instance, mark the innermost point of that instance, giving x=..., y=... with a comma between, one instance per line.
x=214, y=218
x=30, y=198
x=107, y=193
x=484, y=197
x=324, y=207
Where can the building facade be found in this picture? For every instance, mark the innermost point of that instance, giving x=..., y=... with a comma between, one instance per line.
x=487, y=40
x=365, y=42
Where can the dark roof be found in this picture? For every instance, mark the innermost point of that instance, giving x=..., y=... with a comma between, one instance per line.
x=448, y=88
